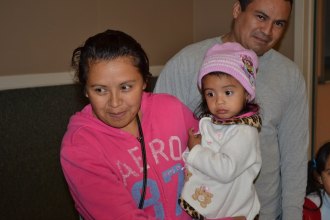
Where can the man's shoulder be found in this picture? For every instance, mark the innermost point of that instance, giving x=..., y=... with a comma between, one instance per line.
x=276, y=57
x=200, y=46
x=275, y=62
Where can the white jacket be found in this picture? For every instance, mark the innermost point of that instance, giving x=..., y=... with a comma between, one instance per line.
x=220, y=172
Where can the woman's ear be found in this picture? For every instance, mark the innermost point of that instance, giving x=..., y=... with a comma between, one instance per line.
x=86, y=94
x=319, y=179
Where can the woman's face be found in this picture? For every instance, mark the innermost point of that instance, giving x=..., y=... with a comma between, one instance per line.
x=114, y=89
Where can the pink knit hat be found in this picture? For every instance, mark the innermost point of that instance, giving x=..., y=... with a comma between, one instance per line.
x=233, y=59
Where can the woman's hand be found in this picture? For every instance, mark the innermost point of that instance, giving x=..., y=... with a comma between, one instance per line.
x=194, y=138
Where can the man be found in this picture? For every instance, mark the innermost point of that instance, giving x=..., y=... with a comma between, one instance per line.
x=281, y=94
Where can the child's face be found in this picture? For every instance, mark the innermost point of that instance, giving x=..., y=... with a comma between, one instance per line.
x=114, y=88
x=224, y=95
x=325, y=177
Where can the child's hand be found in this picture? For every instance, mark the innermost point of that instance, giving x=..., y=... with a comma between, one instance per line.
x=194, y=138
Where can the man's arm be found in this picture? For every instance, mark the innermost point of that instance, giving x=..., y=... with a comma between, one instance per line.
x=293, y=140
x=173, y=80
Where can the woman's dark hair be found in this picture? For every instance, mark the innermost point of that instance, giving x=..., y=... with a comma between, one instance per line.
x=202, y=109
x=108, y=45
x=245, y=3
x=315, y=168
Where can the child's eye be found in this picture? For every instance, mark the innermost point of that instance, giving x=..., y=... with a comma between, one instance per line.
x=228, y=92
x=209, y=94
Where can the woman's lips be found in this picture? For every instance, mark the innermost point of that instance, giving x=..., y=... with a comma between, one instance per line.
x=116, y=115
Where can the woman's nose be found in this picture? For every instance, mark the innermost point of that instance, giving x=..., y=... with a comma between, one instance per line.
x=114, y=99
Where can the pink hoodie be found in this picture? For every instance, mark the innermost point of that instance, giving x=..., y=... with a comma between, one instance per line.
x=103, y=165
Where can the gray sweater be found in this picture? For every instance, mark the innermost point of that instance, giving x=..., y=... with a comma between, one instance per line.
x=284, y=137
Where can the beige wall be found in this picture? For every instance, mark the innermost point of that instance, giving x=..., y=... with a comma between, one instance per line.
x=211, y=18
x=322, y=133
x=39, y=36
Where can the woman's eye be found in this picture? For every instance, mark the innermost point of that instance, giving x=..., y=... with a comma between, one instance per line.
x=126, y=87
x=100, y=90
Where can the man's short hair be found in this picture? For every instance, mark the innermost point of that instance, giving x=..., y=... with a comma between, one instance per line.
x=245, y=3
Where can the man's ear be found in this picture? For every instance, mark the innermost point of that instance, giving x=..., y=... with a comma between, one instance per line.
x=236, y=9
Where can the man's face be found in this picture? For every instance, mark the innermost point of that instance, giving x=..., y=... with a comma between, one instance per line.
x=261, y=25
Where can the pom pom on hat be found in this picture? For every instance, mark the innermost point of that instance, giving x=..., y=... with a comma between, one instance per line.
x=233, y=59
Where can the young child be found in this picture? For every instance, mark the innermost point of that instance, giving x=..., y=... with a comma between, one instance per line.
x=317, y=201
x=224, y=159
